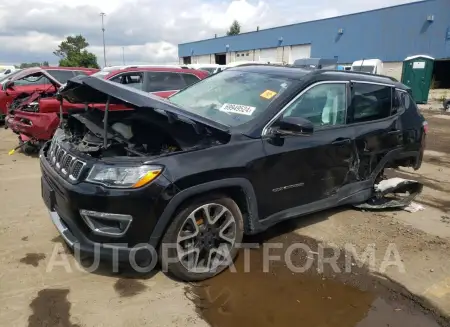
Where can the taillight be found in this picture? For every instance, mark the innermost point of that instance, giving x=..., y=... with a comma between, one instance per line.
x=425, y=126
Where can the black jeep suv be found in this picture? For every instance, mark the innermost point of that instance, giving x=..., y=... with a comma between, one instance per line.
x=233, y=154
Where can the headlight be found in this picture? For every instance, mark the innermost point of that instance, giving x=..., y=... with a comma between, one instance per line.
x=123, y=177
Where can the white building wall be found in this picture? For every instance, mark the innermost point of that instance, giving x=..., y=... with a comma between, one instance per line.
x=256, y=54
x=269, y=54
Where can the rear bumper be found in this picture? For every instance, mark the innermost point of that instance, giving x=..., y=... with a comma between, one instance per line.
x=39, y=126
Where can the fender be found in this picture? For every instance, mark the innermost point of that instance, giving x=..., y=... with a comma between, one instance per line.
x=166, y=218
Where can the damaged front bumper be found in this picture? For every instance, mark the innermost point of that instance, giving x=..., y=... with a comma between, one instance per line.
x=35, y=125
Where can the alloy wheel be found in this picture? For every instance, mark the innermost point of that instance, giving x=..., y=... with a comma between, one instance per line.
x=206, y=238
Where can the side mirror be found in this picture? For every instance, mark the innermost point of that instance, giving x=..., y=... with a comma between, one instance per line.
x=9, y=85
x=293, y=126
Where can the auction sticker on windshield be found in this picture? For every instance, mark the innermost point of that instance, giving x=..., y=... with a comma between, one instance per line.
x=237, y=109
x=268, y=94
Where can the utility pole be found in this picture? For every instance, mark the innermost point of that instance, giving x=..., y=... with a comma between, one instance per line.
x=102, y=14
x=123, y=55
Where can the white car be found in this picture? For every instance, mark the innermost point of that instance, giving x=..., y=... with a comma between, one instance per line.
x=106, y=70
x=6, y=70
x=372, y=66
x=210, y=68
x=240, y=63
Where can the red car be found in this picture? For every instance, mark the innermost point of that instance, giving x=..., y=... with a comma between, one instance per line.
x=36, y=118
x=36, y=79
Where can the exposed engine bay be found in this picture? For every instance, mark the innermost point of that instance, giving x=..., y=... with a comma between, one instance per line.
x=134, y=133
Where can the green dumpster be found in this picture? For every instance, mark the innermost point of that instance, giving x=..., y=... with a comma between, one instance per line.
x=417, y=73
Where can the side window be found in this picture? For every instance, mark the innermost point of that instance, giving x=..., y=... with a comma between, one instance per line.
x=61, y=76
x=32, y=80
x=370, y=102
x=134, y=80
x=189, y=79
x=323, y=105
x=164, y=81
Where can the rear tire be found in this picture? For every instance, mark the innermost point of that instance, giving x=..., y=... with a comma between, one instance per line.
x=203, y=239
x=447, y=105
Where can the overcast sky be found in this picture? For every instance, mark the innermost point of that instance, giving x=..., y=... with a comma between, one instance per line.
x=149, y=30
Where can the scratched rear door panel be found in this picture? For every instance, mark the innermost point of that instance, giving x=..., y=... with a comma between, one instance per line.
x=378, y=128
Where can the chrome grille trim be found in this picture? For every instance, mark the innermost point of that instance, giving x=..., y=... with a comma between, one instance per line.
x=68, y=165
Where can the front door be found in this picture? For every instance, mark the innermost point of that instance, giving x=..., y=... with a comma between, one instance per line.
x=303, y=169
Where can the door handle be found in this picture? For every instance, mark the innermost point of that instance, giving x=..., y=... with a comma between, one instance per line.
x=394, y=132
x=341, y=141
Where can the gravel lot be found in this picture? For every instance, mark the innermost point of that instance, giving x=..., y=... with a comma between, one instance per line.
x=32, y=293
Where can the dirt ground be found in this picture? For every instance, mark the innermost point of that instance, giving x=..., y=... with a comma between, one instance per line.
x=35, y=293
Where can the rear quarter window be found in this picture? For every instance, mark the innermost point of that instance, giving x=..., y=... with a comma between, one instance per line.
x=370, y=102
x=165, y=81
x=190, y=79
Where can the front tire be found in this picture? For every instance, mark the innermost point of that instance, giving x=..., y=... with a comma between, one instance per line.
x=27, y=148
x=203, y=239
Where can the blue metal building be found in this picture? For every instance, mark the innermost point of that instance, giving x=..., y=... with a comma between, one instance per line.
x=390, y=34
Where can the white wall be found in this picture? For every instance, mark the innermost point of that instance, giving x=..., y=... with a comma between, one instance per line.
x=269, y=54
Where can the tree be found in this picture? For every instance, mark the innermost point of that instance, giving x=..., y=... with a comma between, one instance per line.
x=29, y=64
x=235, y=28
x=45, y=64
x=72, y=53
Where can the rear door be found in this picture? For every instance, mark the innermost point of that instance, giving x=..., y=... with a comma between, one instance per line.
x=374, y=115
x=304, y=169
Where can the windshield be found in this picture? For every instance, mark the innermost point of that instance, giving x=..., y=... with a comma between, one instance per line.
x=364, y=69
x=232, y=97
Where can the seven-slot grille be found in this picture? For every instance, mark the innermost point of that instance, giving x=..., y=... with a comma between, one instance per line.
x=67, y=164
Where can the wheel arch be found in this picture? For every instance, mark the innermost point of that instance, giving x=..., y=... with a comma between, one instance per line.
x=240, y=190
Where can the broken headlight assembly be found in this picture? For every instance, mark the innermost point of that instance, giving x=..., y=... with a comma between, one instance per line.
x=123, y=177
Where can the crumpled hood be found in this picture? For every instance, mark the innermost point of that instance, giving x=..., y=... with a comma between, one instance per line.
x=93, y=90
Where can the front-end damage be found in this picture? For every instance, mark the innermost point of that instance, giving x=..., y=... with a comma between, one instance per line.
x=153, y=126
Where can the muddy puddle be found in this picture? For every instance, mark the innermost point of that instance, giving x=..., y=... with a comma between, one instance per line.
x=259, y=294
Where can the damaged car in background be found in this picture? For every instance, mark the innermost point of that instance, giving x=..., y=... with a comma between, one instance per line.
x=35, y=118
x=233, y=154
